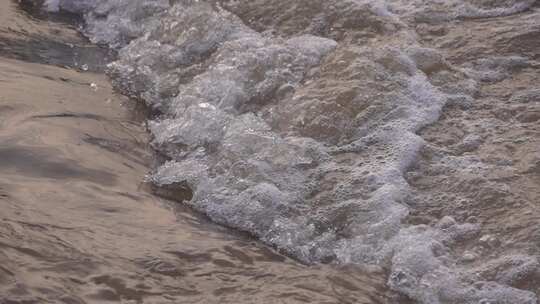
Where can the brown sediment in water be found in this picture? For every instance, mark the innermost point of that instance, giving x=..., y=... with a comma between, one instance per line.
x=76, y=226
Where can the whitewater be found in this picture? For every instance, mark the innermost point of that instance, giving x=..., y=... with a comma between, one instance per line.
x=298, y=122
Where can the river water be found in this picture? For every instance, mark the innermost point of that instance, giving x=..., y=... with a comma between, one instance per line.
x=77, y=223
x=384, y=151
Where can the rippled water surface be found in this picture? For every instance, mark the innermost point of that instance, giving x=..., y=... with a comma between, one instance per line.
x=390, y=145
x=77, y=225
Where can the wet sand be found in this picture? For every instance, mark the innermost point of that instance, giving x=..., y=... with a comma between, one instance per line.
x=77, y=223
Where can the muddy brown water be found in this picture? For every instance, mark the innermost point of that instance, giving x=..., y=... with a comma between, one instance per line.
x=77, y=223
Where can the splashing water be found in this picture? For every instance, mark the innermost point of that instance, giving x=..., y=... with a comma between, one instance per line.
x=300, y=133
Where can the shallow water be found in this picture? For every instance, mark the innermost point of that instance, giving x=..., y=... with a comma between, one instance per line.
x=77, y=223
x=396, y=136
x=302, y=123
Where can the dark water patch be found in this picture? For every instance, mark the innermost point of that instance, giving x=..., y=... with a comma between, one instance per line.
x=179, y=192
x=268, y=255
x=71, y=115
x=40, y=49
x=162, y=267
x=105, y=295
x=224, y=291
x=42, y=163
x=111, y=210
x=71, y=300
x=44, y=227
x=130, y=196
x=238, y=255
x=6, y=271
x=106, y=144
x=340, y=282
x=192, y=258
x=6, y=108
x=72, y=81
x=11, y=301
x=166, y=270
x=121, y=290
x=6, y=276
x=223, y=263
x=57, y=42
x=128, y=149
x=23, y=250
x=33, y=9
x=3, y=194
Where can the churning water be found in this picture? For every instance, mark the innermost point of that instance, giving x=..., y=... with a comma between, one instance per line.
x=299, y=121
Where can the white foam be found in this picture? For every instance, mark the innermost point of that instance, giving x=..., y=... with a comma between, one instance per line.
x=269, y=153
